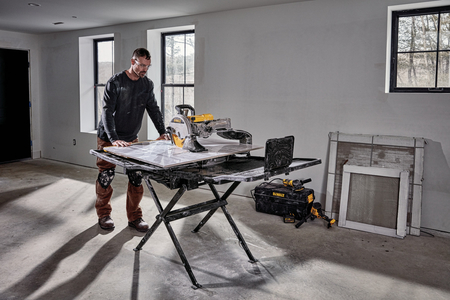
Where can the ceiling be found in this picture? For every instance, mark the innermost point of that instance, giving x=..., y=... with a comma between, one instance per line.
x=49, y=16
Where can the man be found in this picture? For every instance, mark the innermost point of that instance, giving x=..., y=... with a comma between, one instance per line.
x=127, y=95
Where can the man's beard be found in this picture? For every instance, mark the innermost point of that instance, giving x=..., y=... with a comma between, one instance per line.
x=138, y=74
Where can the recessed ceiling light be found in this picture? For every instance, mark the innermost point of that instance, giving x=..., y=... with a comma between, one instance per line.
x=33, y=4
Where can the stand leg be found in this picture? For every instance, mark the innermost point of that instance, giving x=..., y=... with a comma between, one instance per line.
x=238, y=234
x=180, y=251
x=163, y=212
x=204, y=220
x=217, y=196
x=229, y=218
x=161, y=217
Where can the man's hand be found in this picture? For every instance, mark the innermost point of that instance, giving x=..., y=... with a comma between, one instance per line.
x=163, y=136
x=120, y=143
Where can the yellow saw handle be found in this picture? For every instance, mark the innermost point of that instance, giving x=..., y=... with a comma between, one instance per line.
x=201, y=118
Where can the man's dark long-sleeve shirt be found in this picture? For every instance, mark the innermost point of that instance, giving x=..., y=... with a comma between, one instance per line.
x=124, y=103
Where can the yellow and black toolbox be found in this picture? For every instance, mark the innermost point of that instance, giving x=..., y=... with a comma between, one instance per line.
x=289, y=199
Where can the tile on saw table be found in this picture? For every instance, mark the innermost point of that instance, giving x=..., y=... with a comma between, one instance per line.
x=164, y=154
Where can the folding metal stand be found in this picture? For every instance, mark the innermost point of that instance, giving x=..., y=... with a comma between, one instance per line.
x=168, y=215
x=278, y=160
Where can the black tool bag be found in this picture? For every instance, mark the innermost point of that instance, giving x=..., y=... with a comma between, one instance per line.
x=277, y=199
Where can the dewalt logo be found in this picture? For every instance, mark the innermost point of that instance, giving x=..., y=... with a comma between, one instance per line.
x=278, y=194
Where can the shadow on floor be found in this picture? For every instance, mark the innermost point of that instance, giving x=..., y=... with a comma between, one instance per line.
x=73, y=287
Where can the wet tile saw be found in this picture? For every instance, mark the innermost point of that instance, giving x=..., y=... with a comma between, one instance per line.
x=184, y=128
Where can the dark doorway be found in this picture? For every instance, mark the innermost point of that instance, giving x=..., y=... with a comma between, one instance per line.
x=14, y=105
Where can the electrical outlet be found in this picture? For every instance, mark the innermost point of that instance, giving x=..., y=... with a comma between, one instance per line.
x=74, y=142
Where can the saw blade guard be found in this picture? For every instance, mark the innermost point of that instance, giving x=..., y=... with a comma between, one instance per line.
x=184, y=129
x=179, y=129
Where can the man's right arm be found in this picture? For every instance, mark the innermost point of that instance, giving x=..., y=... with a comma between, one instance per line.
x=109, y=107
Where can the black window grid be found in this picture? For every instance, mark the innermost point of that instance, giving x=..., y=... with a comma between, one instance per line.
x=396, y=15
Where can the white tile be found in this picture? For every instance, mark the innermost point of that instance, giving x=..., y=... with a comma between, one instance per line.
x=164, y=154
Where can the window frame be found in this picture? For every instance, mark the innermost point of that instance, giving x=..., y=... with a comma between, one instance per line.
x=163, y=67
x=96, y=83
x=396, y=14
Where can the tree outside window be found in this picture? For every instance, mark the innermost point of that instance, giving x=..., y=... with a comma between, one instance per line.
x=103, y=70
x=420, y=50
x=177, y=71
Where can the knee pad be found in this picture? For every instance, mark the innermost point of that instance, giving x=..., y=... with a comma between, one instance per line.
x=135, y=178
x=106, y=177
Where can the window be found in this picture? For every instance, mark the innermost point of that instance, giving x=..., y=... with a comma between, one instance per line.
x=87, y=62
x=103, y=70
x=420, y=49
x=177, y=84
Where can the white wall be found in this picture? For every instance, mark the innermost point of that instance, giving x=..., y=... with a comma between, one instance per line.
x=305, y=69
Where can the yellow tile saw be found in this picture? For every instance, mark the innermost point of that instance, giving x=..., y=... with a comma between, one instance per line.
x=184, y=129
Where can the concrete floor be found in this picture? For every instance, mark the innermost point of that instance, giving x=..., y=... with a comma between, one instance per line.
x=52, y=248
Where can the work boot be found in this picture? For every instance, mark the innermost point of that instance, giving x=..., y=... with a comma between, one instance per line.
x=106, y=223
x=139, y=224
